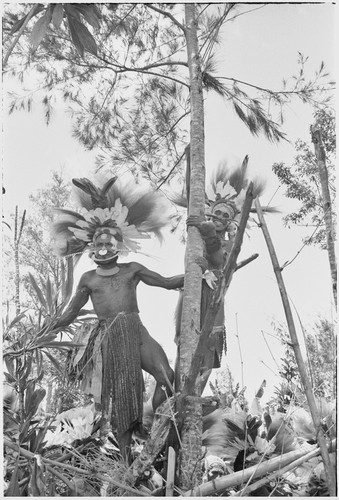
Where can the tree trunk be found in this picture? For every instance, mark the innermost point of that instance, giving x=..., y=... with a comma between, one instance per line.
x=327, y=205
x=189, y=464
x=329, y=469
x=17, y=236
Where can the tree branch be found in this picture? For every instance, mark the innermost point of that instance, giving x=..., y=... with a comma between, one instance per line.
x=21, y=30
x=167, y=14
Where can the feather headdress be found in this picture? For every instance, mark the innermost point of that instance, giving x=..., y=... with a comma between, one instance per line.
x=124, y=211
x=228, y=187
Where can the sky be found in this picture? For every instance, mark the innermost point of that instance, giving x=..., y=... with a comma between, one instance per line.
x=261, y=48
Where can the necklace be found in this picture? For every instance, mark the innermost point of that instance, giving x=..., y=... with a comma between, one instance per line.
x=107, y=272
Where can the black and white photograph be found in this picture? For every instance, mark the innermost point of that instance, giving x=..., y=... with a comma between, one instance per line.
x=169, y=275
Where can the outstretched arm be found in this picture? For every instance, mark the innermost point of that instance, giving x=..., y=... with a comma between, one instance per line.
x=79, y=300
x=154, y=279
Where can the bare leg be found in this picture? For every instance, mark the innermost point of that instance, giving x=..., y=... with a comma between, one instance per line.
x=153, y=361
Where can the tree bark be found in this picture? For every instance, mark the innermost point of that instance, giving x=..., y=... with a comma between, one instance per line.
x=321, y=439
x=189, y=463
x=218, y=297
x=327, y=204
x=17, y=237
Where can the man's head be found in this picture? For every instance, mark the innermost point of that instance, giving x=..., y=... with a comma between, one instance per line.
x=105, y=246
x=222, y=215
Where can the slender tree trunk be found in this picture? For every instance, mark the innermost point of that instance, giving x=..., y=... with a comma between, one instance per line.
x=329, y=468
x=189, y=463
x=17, y=236
x=327, y=205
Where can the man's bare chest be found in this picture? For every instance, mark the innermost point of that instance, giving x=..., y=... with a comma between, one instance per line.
x=122, y=281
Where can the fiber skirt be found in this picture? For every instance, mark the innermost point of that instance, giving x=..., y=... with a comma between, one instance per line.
x=110, y=369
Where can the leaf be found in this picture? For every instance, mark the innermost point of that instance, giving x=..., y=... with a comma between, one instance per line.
x=90, y=13
x=40, y=29
x=17, y=319
x=49, y=296
x=24, y=430
x=38, y=291
x=62, y=345
x=44, y=340
x=57, y=15
x=13, y=489
x=36, y=486
x=72, y=12
x=69, y=281
x=17, y=25
x=81, y=37
x=54, y=361
x=36, y=398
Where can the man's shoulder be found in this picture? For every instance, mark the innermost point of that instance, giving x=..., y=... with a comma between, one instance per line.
x=87, y=276
x=131, y=266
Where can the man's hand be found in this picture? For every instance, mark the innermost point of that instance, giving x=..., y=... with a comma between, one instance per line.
x=195, y=220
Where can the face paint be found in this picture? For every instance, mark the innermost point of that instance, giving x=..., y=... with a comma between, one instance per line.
x=105, y=248
x=223, y=214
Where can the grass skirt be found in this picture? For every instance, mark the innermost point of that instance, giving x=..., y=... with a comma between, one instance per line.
x=110, y=369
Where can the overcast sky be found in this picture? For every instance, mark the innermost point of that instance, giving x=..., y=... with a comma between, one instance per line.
x=261, y=48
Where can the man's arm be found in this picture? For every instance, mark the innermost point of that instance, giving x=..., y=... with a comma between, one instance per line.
x=214, y=252
x=79, y=300
x=154, y=279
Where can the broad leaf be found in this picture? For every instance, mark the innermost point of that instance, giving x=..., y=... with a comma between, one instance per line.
x=17, y=319
x=42, y=341
x=81, y=37
x=13, y=489
x=62, y=345
x=16, y=26
x=90, y=13
x=36, y=398
x=40, y=29
x=36, y=486
x=49, y=296
x=38, y=291
x=57, y=15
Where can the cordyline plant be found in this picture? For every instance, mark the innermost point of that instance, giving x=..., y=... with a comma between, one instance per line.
x=30, y=342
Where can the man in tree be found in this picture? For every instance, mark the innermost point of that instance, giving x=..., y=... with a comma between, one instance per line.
x=224, y=200
x=120, y=346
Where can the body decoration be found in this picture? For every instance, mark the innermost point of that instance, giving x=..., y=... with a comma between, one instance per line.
x=110, y=221
x=103, y=358
x=224, y=199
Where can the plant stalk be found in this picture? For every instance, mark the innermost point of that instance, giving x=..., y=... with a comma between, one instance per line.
x=321, y=439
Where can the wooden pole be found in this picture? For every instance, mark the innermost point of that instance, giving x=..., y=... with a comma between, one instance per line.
x=320, y=155
x=321, y=439
x=170, y=472
x=256, y=471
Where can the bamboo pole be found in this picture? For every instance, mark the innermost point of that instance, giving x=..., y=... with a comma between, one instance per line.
x=258, y=470
x=320, y=154
x=170, y=472
x=329, y=468
x=280, y=472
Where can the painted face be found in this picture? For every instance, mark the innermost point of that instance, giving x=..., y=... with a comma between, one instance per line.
x=223, y=216
x=105, y=248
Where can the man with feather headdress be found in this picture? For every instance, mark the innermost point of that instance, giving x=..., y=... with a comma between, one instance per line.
x=224, y=199
x=110, y=221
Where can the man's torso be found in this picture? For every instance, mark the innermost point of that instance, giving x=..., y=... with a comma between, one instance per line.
x=113, y=294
